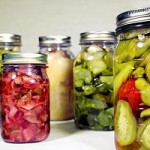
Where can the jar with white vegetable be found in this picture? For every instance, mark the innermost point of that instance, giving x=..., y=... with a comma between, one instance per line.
x=93, y=81
x=60, y=73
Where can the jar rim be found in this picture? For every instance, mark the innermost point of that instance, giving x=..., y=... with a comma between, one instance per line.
x=49, y=40
x=22, y=58
x=136, y=18
x=9, y=39
x=92, y=36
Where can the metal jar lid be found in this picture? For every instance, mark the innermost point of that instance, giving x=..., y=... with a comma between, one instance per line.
x=137, y=16
x=24, y=58
x=10, y=39
x=49, y=40
x=97, y=36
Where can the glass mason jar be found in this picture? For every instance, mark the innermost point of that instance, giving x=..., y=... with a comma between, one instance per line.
x=60, y=73
x=93, y=81
x=132, y=80
x=8, y=43
x=25, y=98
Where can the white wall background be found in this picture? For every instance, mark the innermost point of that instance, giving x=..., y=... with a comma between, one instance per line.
x=33, y=18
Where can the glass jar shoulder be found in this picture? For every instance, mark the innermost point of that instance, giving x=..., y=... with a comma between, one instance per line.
x=21, y=70
x=59, y=58
x=96, y=54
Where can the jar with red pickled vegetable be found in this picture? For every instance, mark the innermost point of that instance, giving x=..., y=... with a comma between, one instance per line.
x=25, y=98
x=8, y=43
x=132, y=80
x=60, y=73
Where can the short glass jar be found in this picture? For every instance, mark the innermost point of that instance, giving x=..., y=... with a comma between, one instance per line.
x=93, y=81
x=25, y=98
x=132, y=80
x=60, y=72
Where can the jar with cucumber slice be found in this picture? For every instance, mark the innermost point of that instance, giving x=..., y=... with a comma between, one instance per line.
x=132, y=80
x=93, y=81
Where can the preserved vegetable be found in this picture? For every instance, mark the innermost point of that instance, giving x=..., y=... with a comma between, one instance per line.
x=25, y=101
x=132, y=81
x=60, y=73
x=9, y=43
x=93, y=81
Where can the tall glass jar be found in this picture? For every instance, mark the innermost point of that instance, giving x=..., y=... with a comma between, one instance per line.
x=60, y=73
x=8, y=43
x=25, y=98
x=93, y=81
x=132, y=80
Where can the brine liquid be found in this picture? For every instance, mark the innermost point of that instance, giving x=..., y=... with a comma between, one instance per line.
x=133, y=146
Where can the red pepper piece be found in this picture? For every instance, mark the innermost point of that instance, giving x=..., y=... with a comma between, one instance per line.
x=130, y=93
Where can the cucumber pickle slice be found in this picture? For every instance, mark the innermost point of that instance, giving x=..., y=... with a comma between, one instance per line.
x=125, y=124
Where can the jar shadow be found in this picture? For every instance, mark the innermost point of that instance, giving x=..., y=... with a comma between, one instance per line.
x=62, y=129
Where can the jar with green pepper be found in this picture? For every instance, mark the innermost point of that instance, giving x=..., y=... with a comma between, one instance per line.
x=93, y=81
x=8, y=43
x=132, y=80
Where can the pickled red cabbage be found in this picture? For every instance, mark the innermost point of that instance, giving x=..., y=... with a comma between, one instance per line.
x=25, y=105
